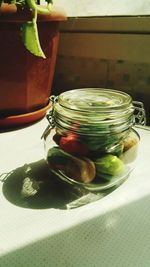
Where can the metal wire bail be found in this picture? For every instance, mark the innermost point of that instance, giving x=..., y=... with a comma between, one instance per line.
x=49, y=116
x=139, y=113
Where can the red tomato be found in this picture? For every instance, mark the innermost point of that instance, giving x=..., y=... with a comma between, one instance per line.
x=71, y=145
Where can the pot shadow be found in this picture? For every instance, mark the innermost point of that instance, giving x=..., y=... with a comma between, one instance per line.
x=34, y=186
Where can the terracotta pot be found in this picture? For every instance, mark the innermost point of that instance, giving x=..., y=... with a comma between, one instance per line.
x=26, y=80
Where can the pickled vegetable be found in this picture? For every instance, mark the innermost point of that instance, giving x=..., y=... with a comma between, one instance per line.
x=82, y=169
x=130, y=148
x=71, y=144
x=110, y=165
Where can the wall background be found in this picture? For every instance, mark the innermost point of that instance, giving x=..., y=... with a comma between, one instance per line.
x=77, y=8
x=105, y=52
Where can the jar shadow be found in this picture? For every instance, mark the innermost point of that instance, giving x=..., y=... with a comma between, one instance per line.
x=34, y=186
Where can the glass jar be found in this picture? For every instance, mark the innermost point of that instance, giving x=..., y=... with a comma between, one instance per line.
x=91, y=141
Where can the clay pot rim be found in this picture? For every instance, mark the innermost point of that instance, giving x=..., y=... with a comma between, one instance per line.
x=10, y=13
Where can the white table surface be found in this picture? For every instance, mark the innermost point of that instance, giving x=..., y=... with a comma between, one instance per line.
x=114, y=231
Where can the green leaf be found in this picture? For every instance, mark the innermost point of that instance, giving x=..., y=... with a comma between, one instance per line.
x=38, y=9
x=31, y=39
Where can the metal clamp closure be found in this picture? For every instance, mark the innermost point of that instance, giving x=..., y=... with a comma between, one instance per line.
x=50, y=117
x=139, y=113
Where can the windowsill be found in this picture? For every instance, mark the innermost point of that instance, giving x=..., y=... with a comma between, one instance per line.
x=112, y=24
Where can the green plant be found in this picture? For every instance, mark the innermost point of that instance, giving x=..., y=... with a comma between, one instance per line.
x=29, y=30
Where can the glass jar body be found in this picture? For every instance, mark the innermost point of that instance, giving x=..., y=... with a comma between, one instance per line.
x=94, y=162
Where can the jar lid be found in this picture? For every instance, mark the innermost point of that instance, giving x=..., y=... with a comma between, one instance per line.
x=102, y=109
x=94, y=99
